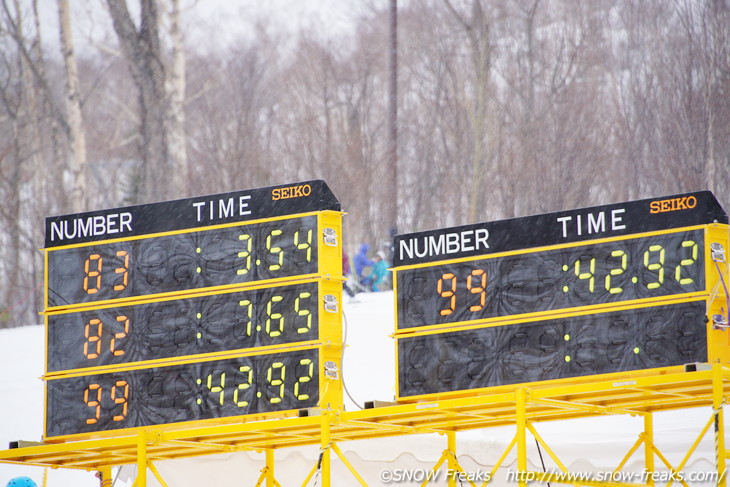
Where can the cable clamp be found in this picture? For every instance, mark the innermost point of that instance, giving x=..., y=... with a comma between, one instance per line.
x=719, y=322
x=717, y=252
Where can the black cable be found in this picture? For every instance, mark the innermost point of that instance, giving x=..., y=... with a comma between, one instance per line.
x=342, y=360
x=539, y=451
x=722, y=279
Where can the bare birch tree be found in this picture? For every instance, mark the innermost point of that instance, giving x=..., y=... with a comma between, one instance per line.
x=77, y=140
x=158, y=175
x=476, y=28
x=176, y=89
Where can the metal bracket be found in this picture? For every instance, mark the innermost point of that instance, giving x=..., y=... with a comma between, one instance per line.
x=719, y=322
x=330, y=237
x=717, y=251
x=330, y=303
x=331, y=371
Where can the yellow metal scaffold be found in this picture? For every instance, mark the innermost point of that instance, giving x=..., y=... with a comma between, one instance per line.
x=522, y=408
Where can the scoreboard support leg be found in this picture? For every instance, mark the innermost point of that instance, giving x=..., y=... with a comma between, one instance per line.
x=267, y=473
x=718, y=401
x=521, y=436
x=105, y=476
x=270, y=480
x=141, y=460
x=452, y=463
x=324, y=453
x=648, y=438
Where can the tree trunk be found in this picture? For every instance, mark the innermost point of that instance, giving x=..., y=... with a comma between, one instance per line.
x=141, y=48
x=176, y=90
x=77, y=142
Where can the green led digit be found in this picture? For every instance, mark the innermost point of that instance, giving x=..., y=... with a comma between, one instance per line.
x=219, y=389
x=303, y=312
x=616, y=271
x=687, y=244
x=274, y=317
x=307, y=245
x=276, y=381
x=590, y=275
x=655, y=266
x=247, y=371
x=245, y=254
x=275, y=250
x=246, y=303
x=304, y=379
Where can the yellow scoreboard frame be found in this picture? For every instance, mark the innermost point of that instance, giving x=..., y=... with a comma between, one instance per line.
x=209, y=310
x=615, y=290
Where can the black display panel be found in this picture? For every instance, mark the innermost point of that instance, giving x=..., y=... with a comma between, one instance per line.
x=574, y=346
x=176, y=328
x=190, y=213
x=579, y=225
x=177, y=393
x=187, y=261
x=608, y=272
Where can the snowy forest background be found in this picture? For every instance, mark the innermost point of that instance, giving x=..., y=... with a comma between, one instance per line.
x=504, y=108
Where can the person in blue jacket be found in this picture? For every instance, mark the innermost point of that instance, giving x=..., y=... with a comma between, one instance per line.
x=361, y=261
x=378, y=272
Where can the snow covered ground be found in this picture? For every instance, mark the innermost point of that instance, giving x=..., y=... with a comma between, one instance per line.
x=369, y=373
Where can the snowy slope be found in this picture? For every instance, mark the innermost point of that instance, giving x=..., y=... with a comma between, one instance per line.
x=369, y=373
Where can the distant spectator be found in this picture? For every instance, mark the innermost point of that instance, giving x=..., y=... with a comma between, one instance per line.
x=378, y=272
x=345, y=264
x=362, y=261
x=346, y=273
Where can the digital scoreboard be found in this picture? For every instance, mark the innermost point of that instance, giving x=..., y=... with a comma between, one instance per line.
x=609, y=289
x=204, y=308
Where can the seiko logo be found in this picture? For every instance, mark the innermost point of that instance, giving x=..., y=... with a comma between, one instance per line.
x=291, y=192
x=673, y=204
